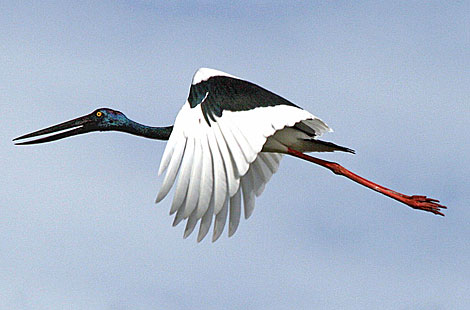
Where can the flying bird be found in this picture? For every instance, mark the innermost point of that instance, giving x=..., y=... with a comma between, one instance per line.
x=226, y=143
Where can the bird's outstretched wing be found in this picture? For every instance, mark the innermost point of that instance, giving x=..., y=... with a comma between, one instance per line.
x=216, y=147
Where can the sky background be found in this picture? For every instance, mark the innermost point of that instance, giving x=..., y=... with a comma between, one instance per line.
x=78, y=225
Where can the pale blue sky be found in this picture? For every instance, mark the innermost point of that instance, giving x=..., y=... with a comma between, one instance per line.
x=78, y=226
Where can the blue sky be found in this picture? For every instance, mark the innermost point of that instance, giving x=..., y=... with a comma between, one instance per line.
x=78, y=226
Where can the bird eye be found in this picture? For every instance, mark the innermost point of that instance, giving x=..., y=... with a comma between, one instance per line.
x=99, y=114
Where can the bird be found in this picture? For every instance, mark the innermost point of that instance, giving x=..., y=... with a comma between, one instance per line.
x=226, y=143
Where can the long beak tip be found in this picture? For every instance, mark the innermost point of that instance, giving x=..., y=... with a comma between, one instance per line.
x=20, y=143
x=18, y=138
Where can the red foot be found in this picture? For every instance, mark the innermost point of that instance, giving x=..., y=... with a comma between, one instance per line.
x=424, y=203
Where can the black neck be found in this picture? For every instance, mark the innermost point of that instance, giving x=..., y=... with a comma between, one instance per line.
x=158, y=133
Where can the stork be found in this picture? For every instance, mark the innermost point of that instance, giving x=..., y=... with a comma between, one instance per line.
x=226, y=143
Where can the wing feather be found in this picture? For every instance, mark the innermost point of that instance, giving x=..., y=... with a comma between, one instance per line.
x=206, y=185
x=219, y=191
x=206, y=222
x=264, y=168
x=167, y=154
x=220, y=220
x=183, y=179
x=258, y=180
x=232, y=180
x=248, y=194
x=254, y=131
x=240, y=164
x=194, y=180
x=271, y=161
x=173, y=167
x=190, y=224
x=235, y=211
x=260, y=170
x=247, y=149
x=179, y=216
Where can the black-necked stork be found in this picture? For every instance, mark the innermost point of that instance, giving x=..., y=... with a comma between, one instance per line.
x=226, y=143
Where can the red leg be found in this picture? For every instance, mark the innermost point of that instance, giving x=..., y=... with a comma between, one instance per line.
x=415, y=201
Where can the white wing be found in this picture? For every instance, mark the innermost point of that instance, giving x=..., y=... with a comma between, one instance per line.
x=220, y=166
x=226, y=163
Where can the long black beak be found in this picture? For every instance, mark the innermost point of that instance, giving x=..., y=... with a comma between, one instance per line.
x=77, y=126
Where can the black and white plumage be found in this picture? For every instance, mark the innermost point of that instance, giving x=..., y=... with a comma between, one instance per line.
x=226, y=144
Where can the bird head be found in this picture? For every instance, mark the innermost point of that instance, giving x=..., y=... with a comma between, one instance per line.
x=107, y=119
x=103, y=119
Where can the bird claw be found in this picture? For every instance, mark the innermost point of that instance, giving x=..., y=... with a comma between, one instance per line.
x=426, y=204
